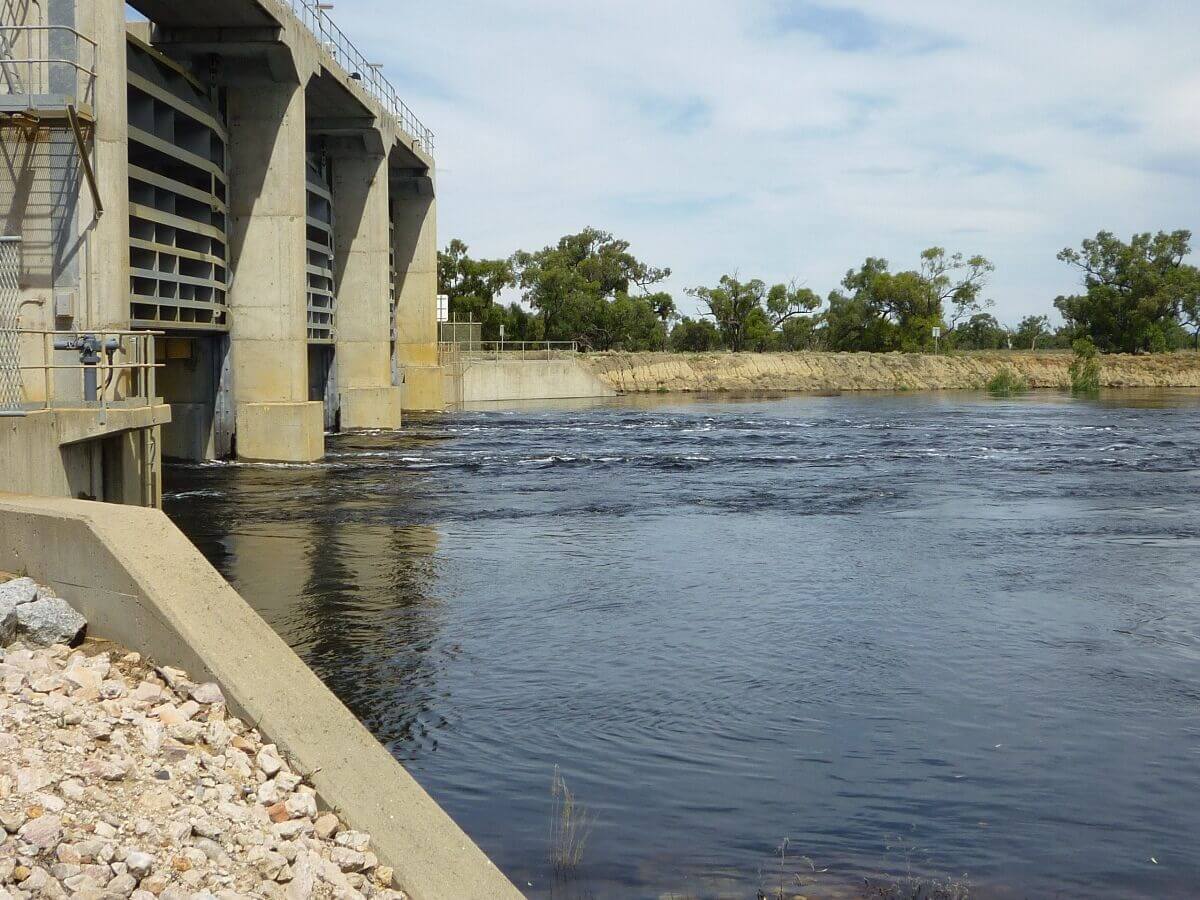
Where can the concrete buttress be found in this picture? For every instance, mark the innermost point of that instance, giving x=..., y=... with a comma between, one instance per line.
x=267, y=298
x=362, y=273
x=414, y=216
x=106, y=295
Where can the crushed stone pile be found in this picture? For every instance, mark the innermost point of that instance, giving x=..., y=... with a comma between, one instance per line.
x=119, y=779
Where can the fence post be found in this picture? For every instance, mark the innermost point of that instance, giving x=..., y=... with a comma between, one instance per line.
x=151, y=371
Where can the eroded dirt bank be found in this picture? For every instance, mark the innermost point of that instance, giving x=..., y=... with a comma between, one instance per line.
x=688, y=372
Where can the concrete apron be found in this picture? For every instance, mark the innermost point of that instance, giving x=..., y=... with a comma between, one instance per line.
x=141, y=583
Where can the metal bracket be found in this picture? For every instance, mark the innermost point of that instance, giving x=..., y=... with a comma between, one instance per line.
x=73, y=118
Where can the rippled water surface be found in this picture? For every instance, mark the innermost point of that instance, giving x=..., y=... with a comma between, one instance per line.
x=947, y=634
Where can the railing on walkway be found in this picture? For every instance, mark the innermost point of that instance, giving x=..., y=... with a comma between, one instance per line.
x=88, y=370
x=46, y=65
x=511, y=350
x=316, y=20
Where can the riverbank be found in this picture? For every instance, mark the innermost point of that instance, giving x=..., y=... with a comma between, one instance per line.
x=632, y=373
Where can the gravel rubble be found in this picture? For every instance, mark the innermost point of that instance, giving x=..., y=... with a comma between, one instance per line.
x=122, y=780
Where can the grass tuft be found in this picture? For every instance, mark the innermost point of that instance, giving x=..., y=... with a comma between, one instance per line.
x=1007, y=382
x=1085, y=369
x=570, y=827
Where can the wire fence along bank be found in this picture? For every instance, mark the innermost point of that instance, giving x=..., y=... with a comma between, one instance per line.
x=506, y=350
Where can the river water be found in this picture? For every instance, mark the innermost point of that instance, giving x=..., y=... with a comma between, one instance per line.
x=941, y=634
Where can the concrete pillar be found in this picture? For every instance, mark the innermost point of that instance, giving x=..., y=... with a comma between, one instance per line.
x=274, y=419
x=362, y=272
x=105, y=301
x=414, y=214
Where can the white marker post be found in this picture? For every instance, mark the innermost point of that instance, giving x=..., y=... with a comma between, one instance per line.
x=937, y=333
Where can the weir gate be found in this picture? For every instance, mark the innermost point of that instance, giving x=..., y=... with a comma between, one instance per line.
x=219, y=233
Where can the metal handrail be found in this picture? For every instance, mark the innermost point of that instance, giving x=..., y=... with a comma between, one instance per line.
x=67, y=28
x=8, y=44
x=357, y=67
x=117, y=384
x=498, y=350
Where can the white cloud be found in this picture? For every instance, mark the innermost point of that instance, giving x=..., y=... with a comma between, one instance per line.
x=790, y=139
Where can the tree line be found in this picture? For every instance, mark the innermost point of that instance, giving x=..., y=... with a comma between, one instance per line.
x=1136, y=297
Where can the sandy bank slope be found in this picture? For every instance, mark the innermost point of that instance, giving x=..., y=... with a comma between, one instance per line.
x=651, y=372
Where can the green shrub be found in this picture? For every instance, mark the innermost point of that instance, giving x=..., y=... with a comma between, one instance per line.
x=1085, y=369
x=1007, y=382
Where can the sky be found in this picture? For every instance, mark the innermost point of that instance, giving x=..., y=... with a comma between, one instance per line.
x=788, y=140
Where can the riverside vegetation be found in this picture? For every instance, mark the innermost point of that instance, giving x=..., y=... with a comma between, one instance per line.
x=1138, y=296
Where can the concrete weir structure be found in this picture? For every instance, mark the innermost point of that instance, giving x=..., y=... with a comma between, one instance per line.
x=216, y=238
x=233, y=178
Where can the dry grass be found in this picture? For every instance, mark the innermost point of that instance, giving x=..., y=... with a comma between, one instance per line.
x=912, y=888
x=570, y=827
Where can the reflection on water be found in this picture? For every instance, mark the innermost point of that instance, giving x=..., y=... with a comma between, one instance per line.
x=943, y=633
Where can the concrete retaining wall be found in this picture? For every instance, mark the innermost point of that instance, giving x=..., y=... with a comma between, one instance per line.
x=141, y=583
x=71, y=453
x=491, y=381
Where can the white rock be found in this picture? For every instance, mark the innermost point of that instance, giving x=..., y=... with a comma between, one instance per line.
x=326, y=826
x=139, y=863
x=41, y=833
x=147, y=692
x=11, y=820
x=347, y=860
x=304, y=876
x=113, y=689
x=152, y=736
x=301, y=806
x=113, y=768
x=47, y=684
x=176, y=679
x=122, y=885
x=189, y=709
x=185, y=732
x=268, y=793
x=32, y=778
x=50, y=802
x=207, y=694
x=268, y=760
x=82, y=676
x=355, y=840
x=218, y=735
